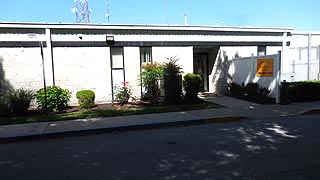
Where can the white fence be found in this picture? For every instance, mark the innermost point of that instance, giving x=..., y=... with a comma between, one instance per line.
x=245, y=70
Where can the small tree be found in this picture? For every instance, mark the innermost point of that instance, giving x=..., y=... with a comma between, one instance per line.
x=172, y=81
x=149, y=79
x=191, y=84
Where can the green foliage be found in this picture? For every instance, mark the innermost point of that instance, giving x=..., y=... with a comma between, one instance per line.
x=123, y=93
x=57, y=98
x=172, y=81
x=149, y=79
x=18, y=101
x=302, y=91
x=4, y=106
x=191, y=84
x=235, y=89
x=251, y=92
x=85, y=98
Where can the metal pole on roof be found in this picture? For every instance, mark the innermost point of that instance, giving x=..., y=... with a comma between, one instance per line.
x=185, y=19
x=108, y=11
x=166, y=11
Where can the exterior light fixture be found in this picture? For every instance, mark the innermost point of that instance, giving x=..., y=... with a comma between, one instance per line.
x=110, y=40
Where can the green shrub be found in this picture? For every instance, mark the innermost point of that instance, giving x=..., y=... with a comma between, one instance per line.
x=191, y=84
x=19, y=100
x=4, y=107
x=235, y=89
x=251, y=92
x=123, y=93
x=149, y=79
x=57, y=98
x=172, y=81
x=85, y=99
x=302, y=91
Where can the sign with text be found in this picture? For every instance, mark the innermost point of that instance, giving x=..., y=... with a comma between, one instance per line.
x=265, y=67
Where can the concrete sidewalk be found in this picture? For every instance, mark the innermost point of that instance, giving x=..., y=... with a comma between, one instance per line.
x=233, y=109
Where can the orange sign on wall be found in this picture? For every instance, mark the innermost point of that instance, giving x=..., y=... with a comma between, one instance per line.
x=265, y=67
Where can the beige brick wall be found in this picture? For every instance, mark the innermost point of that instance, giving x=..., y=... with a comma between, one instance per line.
x=21, y=68
x=132, y=69
x=78, y=68
x=184, y=54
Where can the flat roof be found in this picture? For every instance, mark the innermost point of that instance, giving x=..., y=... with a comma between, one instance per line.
x=39, y=25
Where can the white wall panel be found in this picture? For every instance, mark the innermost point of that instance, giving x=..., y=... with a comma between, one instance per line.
x=84, y=68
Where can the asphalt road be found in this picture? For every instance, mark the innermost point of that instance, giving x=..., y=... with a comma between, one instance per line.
x=283, y=148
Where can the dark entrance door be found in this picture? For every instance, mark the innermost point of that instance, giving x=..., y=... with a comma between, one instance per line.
x=200, y=66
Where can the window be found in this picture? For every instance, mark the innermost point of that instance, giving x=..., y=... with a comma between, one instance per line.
x=117, y=67
x=262, y=50
x=116, y=57
x=145, y=55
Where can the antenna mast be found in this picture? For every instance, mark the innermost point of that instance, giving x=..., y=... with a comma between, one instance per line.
x=108, y=11
x=82, y=11
x=185, y=19
x=166, y=11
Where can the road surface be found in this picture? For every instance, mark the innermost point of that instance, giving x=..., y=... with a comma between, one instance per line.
x=282, y=148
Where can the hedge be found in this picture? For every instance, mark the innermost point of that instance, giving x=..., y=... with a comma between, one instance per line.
x=302, y=91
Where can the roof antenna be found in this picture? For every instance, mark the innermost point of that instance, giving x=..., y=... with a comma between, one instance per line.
x=82, y=11
x=166, y=11
x=108, y=11
x=217, y=23
x=185, y=19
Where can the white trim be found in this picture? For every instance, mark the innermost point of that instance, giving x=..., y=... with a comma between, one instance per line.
x=140, y=27
x=306, y=33
x=167, y=38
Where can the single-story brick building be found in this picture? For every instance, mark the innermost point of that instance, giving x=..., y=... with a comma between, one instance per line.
x=98, y=57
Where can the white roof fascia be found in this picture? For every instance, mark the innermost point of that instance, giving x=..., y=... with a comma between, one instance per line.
x=142, y=27
x=305, y=33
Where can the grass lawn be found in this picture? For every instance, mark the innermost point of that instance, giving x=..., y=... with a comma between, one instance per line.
x=106, y=110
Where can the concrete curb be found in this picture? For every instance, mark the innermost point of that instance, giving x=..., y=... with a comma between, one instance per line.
x=310, y=111
x=121, y=128
x=234, y=111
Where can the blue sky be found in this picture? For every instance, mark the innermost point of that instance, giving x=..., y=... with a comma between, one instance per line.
x=301, y=15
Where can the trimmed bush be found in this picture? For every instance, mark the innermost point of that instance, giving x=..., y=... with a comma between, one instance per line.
x=302, y=91
x=19, y=101
x=191, y=84
x=172, y=81
x=57, y=98
x=85, y=99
